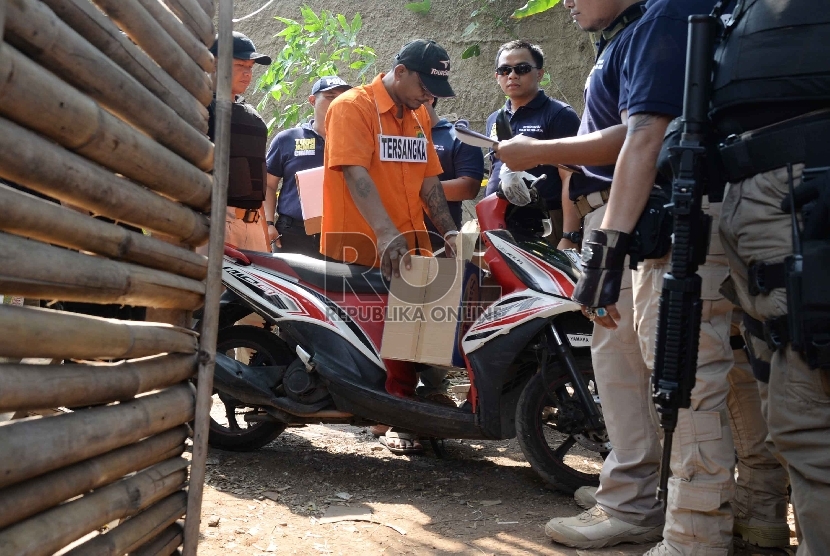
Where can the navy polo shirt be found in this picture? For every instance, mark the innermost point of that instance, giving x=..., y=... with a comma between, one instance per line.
x=292, y=150
x=653, y=76
x=602, y=99
x=541, y=118
x=457, y=160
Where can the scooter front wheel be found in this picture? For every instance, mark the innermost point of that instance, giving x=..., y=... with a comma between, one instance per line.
x=552, y=432
x=235, y=426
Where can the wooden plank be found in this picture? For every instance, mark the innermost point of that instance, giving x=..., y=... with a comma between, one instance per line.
x=197, y=51
x=195, y=18
x=51, y=443
x=151, y=37
x=210, y=316
x=25, y=387
x=163, y=545
x=24, y=215
x=35, y=98
x=53, y=529
x=36, y=31
x=29, y=271
x=136, y=531
x=30, y=160
x=23, y=500
x=104, y=35
x=36, y=332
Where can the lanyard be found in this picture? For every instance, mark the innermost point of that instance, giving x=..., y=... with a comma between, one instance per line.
x=399, y=148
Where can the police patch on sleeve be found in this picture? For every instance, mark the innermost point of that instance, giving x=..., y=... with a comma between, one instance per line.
x=395, y=148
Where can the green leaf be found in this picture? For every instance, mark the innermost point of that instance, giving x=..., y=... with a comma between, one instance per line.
x=469, y=29
x=534, y=7
x=419, y=7
x=357, y=23
x=471, y=51
x=344, y=24
x=545, y=80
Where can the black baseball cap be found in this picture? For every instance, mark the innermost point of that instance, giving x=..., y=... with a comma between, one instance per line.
x=432, y=63
x=243, y=49
x=328, y=83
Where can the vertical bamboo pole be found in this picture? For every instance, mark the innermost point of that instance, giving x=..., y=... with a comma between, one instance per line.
x=210, y=320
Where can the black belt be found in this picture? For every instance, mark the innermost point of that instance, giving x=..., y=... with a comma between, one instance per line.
x=798, y=140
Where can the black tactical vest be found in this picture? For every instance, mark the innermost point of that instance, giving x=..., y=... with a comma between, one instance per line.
x=775, y=58
x=249, y=141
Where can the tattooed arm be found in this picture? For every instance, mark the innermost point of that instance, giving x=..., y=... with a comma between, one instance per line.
x=635, y=171
x=435, y=205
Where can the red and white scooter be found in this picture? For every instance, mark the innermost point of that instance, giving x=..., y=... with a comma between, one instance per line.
x=318, y=359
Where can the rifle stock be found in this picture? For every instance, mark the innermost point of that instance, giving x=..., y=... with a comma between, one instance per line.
x=678, y=330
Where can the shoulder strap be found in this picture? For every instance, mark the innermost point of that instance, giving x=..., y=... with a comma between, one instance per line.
x=608, y=35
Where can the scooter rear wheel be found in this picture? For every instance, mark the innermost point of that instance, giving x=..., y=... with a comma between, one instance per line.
x=235, y=426
x=552, y=436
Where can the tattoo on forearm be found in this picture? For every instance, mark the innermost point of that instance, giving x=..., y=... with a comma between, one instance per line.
x=436, y=204
x=639, y=122
x=363, y=187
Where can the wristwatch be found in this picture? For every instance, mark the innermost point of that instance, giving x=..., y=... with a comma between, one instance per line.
x=270, y=223
x=573, y=237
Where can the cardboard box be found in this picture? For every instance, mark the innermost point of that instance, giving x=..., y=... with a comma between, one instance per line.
x=430, y=308
x=310, y=189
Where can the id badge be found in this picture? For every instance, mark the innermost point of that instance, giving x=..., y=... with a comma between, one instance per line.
x=395, y=148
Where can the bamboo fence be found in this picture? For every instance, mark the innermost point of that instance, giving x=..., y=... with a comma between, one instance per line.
x=107, y=182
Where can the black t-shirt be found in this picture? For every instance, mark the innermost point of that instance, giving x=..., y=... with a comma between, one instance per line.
x=541, y=118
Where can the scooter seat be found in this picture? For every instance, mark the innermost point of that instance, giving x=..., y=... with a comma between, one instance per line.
x=332, y=276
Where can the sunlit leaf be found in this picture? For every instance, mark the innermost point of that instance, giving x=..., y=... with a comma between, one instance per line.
x=471, y=51
x=469, y=29
x=534, y=7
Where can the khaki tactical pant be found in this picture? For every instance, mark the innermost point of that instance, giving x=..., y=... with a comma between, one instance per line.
x=628, y=481
x=754, y=229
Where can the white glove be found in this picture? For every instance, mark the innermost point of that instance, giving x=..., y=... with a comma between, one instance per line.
x=514, y=187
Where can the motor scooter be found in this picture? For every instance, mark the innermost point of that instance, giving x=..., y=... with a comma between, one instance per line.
x=318, y=359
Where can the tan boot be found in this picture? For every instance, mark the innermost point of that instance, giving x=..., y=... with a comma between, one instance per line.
x=762, y=533
x=596, y=529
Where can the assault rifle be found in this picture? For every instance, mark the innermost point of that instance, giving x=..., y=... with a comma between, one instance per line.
x=678, y=331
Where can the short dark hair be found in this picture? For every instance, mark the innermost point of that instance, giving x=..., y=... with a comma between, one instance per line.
x=534, y=49
x=434, y=102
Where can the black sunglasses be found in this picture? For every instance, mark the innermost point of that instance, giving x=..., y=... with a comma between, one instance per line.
x=520, y=69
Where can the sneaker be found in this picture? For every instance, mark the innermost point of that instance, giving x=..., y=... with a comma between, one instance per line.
x=586, y=497
x=663, y=549
x=762, y=533
x=596, y=529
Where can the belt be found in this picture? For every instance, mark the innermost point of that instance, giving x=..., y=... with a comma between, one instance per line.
x=249, y=216
x=586, y=204
x=801, y=139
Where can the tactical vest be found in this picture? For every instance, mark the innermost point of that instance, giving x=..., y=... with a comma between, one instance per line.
x=249, y=142
x=776, y=53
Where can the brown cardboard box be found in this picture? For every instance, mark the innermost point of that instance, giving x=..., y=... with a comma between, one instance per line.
x=425, y=315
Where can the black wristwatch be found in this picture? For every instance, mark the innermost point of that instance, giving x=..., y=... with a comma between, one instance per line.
x=573, y=237
x=270, y=223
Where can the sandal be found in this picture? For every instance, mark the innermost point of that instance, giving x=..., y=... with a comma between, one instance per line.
x=440, y=398
x=401, y=436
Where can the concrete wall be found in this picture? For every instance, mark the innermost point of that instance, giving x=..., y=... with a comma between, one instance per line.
x=388, y=26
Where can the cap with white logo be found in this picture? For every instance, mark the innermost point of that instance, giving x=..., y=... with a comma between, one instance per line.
x=328, y=83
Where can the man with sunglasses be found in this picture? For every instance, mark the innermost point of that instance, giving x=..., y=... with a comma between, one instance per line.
x=519, y=71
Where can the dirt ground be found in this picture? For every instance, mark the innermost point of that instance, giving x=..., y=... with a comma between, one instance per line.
x=482, y=499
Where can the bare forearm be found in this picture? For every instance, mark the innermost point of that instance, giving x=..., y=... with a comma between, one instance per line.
x=435, y=205
x=635, y=171
x=365, y=196
x=270, y=204
x=593, y=149
x=570, y=218
x=461, y=189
